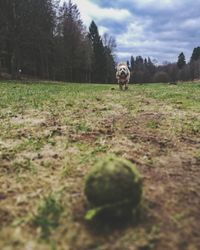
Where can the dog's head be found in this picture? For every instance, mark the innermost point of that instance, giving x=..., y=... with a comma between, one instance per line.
x=122, y=70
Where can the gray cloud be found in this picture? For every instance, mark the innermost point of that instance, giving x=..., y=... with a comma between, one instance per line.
x=159, y=29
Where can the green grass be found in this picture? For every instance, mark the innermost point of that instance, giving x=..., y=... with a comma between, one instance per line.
x=184, y=96
x=51, y=134
x=37, y=95
x=47, y=216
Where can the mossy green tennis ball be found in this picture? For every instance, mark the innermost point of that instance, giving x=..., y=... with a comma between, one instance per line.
x=113, y=185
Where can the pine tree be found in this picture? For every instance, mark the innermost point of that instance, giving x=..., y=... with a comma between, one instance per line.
x=195, y=54
x=132, y=63
x=73, y=48
x=181, y=61
x=10, y=33
x=195, y=63
x=109, y=44
x=99, y=55
x=27, y=35
x=51, y=42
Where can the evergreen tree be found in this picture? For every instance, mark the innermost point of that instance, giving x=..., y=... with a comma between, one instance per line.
x=195, y=54
x=139, y=63
x=195, y=63
x=128, y=63
x=11, y=18
x=72, y=42
x=47, y=41
x=27, y=35
x=132, y=63
x=109, y=44
x=99, y=55
x=181, y=61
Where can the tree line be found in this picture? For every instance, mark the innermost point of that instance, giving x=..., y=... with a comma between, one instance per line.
x=46, y=40
x=42, y=39
x=146, y=71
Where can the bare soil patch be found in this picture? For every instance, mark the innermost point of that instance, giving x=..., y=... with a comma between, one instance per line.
x=47, y=154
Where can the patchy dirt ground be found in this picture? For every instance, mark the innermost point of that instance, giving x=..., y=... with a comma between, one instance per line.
x=50, y=135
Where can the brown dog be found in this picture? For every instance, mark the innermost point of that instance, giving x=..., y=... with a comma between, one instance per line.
x=123, y=75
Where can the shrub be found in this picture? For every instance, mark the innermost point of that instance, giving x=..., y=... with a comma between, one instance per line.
x=161, y=76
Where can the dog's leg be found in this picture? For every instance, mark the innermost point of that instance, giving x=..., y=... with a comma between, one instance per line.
x=120, y=85
x=126, y=85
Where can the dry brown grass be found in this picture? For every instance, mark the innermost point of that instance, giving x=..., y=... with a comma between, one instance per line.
x=50, y=135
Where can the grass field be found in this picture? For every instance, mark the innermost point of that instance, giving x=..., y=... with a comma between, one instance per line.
x=51, y=135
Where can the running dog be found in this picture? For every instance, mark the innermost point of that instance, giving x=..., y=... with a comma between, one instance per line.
x=123, y=75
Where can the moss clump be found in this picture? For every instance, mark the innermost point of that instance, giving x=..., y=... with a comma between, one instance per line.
x=113, y=187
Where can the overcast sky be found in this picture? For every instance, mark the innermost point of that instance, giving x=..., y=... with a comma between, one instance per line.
x=159, y=29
